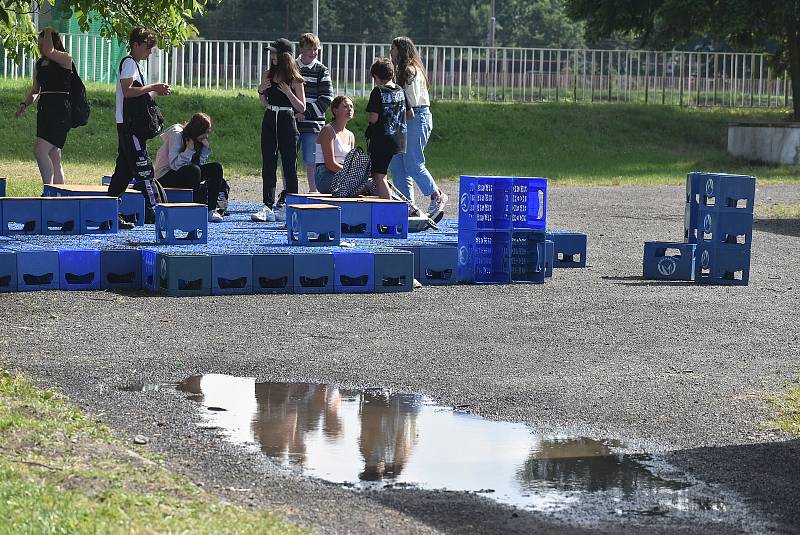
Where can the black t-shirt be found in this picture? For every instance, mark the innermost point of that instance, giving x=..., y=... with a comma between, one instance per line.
x=52, y=76
x=390, y=103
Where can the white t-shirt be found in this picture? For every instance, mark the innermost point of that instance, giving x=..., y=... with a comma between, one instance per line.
x=129, y=70
x=417, y=91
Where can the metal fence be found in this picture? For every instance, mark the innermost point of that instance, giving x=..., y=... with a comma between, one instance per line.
x=469, y=73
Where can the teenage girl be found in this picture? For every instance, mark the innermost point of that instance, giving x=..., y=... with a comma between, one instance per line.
x=51, y=83
x=283, y=95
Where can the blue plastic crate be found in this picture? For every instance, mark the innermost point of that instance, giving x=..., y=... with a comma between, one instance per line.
x=313, y=272
x=389, y=219
x=37, y=270
x=690, y=222
x=150, y=269
x=356, y=216
x=307, y=198
x=184, y=274
x=61, y=216
x=394, y=271
x=484, y=256
x=179, y=195
x=231, y=273
x=2, y=187
x=21, y=215
x=695, y=185
x=354, y=271
x=131, y=207
x=181, y=223
x=79, y=269
x=528, y=256
x=121, y=269
x=668, y=260
x=569, y=248
x=99, y=215
x=438, y=264
x=485, y=203
x=273, y=273
x=722, y=265
x=8, y=271
x=549, y=251
x=529, y=203
x=727, y=229
x=728, y=192
x=317, y=225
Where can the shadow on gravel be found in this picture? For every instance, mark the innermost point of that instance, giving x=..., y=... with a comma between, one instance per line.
x=637, y=280
x=785, y=227
x=766, y=476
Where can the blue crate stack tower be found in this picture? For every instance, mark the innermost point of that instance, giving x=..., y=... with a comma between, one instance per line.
x=717, y=236
x=501, y=229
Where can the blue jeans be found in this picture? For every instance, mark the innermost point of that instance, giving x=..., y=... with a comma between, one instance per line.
x=410, y=167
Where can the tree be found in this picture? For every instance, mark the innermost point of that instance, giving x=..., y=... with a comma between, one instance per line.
x=169, y=18
x=754, y=24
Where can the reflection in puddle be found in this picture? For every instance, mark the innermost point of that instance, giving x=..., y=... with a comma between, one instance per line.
x=376, y=439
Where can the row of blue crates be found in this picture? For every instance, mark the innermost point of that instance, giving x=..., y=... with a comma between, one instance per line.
x=58, y=216
x=502, y=203
x=718, y=232
x=361, y=217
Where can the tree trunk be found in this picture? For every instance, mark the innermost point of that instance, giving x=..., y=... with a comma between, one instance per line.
x=794, y=69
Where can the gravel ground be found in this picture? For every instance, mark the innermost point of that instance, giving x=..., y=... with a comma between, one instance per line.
x=681, y=370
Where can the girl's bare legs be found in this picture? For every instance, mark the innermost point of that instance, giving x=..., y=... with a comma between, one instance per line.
x=58, y=169
x=41, y=151
x=381, y=186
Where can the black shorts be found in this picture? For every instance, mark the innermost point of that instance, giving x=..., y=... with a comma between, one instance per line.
x=381, y=152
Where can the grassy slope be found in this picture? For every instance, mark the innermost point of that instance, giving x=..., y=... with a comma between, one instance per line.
x=61, y=472
x=581, y=143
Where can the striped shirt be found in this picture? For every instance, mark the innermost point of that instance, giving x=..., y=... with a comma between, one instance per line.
x=319, y=95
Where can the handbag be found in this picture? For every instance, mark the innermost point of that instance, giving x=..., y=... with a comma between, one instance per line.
x=354, y=176
x=141, y=115
x=79, y=104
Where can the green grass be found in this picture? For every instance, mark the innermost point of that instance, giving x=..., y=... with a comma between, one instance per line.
x=594, y=143
x=787, y=410
x=783, y=211
x=61, y=472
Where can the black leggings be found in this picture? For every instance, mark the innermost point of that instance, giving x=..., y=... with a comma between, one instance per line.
x=190, y=176
x=278, y=134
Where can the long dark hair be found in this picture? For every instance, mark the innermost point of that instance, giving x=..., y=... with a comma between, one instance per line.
x=409, y=63
x=286, y=69
x=58, y=44
x=199, y=124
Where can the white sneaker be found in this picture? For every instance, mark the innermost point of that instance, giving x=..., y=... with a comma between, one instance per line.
x=214, y=217
x=437, y=206
x=264, y=215
x=280, y=213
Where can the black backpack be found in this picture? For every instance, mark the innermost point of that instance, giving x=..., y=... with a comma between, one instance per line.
x=141, y=115
x=79, y=104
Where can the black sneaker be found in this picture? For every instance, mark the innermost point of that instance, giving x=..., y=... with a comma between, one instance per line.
x=124, y=225
x=281, y=199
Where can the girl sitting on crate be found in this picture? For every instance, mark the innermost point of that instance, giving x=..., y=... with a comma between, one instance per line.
x=182, y=162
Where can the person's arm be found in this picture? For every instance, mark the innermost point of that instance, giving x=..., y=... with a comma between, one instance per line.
x=29, y=99
x=262, y=90
x=62, y=58
x=296, y=93
x=326, y=141
x=126, y=77
x=177, y=157
x=374, y=105
x=409, y=109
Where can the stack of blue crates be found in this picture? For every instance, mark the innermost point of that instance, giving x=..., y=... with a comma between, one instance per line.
x=717, y=236
x=501, y=229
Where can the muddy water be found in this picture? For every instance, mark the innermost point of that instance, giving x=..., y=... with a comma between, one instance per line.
x=377, y=439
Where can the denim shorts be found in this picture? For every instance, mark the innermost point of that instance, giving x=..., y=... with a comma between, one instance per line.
x=323, y=178
x=308, y=145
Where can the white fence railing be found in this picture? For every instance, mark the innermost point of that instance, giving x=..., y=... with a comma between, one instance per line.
x=463, y=73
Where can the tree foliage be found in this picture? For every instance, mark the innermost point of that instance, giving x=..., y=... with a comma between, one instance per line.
x=756, y=25
x=171, y=19
x=450, y=22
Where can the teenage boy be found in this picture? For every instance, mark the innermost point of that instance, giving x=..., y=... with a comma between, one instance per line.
x=319, y=95
x=388, y=110
x=133, y=161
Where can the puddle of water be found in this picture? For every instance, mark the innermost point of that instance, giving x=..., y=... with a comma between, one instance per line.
x=376, y=439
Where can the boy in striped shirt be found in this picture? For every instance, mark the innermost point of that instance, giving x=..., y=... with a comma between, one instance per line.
x=319, y=95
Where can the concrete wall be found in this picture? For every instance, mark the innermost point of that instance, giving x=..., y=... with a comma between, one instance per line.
x=777, y=143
